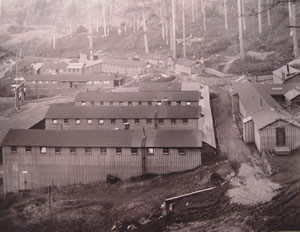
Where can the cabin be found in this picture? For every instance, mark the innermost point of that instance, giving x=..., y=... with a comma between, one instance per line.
x=123, y=66
x=185, y=66
x=184, y=98
x=38, y=158
x=264, y=117
x=49, y=67
x=116, y=117
x=75, y=68
x=50, y=85
x=286, y=75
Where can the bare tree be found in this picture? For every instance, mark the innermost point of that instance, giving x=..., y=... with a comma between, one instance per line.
x=174, y=29
x=225, y=14
x=259, y=16
x=241, y=39
x=203, y=13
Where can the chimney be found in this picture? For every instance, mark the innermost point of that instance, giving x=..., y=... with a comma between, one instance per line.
x=288, y=68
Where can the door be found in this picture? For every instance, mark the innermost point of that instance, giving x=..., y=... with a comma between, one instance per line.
x=25, y=181
x=280, y=137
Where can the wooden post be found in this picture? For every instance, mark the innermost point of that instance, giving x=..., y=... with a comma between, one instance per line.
x=183, y=29
x=242, y=51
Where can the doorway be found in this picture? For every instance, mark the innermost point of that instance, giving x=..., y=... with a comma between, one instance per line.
x=280, y=137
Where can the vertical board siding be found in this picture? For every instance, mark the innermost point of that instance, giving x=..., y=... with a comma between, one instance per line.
x=66, y=168
x=268, y=136
x=248, y=131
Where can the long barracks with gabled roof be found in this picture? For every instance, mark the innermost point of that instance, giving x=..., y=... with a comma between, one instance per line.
x=111, y=117
x=138, y=98
x=37, y=158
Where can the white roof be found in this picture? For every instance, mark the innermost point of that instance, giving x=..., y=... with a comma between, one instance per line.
x=76, y=65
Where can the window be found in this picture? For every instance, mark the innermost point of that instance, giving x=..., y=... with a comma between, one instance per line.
x=14, y=149
x=113, y=121
x=106, y=82
x=28, y=149
x=120, y=103
x=181, y=151
x=111, y=103
x=185, y=121
x=188, y=103
x=173, y=121
x=101, y=103
x=90, y=121
x=166, y=151
x=101, y=121
x=47, y=82
x=54, y=82
x=137, y=121
x=130, y=103
x=73, y=151
x=134, y=151
x=43, y=150
x=178, y=103
x=103, y=151
x=92, y=103
x=168, y=103
x=57, y=150
x=77, y=121
x=125, y=120
x=40, y=82
x=160, y=121
x=149, y=103
x=66, y=120
x=140, y=103
x=159, y=103
x=33, y=82
x=149, y=121
x=83, y=103
x=54, y=121
x=119, y=151
x=88, y=150
x=150, y=151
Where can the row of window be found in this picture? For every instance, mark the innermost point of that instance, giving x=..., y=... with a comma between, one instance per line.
x=149, y=103
x=113, y=121
x=103, y=150
x=54, y=82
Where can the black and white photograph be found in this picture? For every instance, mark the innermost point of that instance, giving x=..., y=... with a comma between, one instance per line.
x=149, y=115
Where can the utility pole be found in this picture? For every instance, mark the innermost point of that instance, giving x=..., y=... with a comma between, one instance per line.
x=225, y=14
x=174, y=29
x=242, y=51
x=259, y=17
x=243, y=14
x=294, y=29
x=183, y=28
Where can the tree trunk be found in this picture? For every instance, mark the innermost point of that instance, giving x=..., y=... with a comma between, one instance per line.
x=242, y=51
x=162, y=22
x=183, y=29
x=174, y=28
x=225, y=14
x=171, y=34
x=294, y=29
x=290, y=16
x=0, y=8
x=193, y=11
x=104, y=20
x=259, y=17
x=196, y=8
x=204, y=14
x=269, y=12
x=243, y=14
x=166, y=31
x=145, y=32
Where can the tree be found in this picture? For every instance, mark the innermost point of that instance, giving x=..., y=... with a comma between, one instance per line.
x=241, y=39
x=174, y=29
x=183, y=28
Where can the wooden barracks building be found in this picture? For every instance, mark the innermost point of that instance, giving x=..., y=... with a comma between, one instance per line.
x=112, y=117
x=36, y=158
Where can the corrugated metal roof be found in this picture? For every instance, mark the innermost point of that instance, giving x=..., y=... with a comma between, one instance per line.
x=118, y=112
x=71, y=77
x=288, y=74
x=159, y=87
x=102, y=138
x=138, y=96
x=75, y=66
x=124, y=62
x=292, y=94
